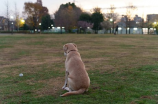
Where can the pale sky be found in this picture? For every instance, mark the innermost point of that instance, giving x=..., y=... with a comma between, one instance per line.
x=144, y=6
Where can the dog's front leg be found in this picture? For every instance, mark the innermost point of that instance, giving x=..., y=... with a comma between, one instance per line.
x=66, y=79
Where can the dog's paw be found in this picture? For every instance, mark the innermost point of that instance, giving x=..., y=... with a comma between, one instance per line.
x=67, y=89
x=63, y=87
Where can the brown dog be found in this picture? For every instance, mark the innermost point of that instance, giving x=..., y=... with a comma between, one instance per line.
x=76, y=76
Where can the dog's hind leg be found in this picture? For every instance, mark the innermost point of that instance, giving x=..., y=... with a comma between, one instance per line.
x=70, y=85
x=66, y=79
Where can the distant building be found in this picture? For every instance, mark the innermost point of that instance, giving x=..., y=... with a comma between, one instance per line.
x=127, y=23
x=152, y=18
x=135, y=22
x=138, y=19
x=39, y=2
x=3, y=23
x=6, y=24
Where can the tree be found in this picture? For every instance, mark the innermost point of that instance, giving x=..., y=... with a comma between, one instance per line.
x=85, y=17
x=34, y=13
x=85, y=21
x=67, y=16
x=84, y=25
x=97, y=18
x=111, y=16
x=155, y=25
x=106, y=25
x=96, y=10
x=129, y=13
x=17, y=18
x=24, y=27
x=46, y=22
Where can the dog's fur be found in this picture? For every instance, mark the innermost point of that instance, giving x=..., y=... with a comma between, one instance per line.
x=76, y=76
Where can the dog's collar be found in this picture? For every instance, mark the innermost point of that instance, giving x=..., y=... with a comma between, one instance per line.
x=72, y=50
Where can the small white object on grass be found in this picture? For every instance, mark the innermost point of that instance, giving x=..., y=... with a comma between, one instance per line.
x=21, y=74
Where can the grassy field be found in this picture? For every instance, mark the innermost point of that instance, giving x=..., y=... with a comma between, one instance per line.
x=123, y=68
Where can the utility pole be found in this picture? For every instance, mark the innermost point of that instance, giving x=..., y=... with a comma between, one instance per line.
x=7, y=15
x=129, y=25
x=148, y=23
x=112, y=9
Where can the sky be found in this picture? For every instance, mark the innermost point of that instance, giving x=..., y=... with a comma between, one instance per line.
x=144, y=7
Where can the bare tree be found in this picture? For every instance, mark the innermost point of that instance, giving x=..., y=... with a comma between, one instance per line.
x=129, y=11
x=129, y=14
x=111, y=17
x=17, y=17
x=96, y=10
x=106, y=25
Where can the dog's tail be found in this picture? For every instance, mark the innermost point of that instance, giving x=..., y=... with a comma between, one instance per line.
x=80, y=91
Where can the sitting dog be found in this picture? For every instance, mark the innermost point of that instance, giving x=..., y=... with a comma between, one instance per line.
x=76, y=77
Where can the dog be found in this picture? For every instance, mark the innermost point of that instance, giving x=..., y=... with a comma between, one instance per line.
x=77, y=80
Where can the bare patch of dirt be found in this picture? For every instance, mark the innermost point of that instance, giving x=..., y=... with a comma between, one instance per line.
x=107, y=68
x=146, y=97
x=31, y=60
x=156, y=59
x=52, y=86
x=89, y=63
x=17, y=94
x=94, y=60
x=3, y=76
x=123, y=54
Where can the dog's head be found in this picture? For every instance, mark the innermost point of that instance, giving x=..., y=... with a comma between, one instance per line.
x=69, y=47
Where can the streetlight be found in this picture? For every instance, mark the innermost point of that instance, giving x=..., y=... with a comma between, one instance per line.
x=12, y=18
x=40, y=27
x=129, y=26
x=112, y=24
x=80, y=29
x=88, y=29
x=155, y=26
x=148, y=23
x=51, y=26
x=22, y=21
x=12, y=27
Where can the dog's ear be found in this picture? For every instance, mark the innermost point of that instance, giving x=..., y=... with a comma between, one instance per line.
x=65, y=47
x=75, y=45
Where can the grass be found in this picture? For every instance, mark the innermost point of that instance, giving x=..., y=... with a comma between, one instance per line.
x=122, y=68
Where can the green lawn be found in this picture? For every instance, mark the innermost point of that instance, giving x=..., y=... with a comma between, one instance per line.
x=123, y=68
